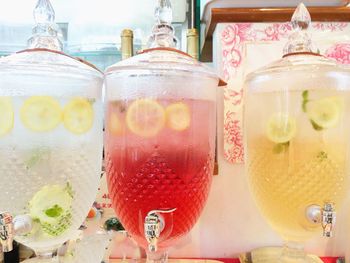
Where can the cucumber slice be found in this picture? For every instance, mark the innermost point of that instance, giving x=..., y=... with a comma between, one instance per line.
x=52, y=207
x=325, y=113
x=281, y=128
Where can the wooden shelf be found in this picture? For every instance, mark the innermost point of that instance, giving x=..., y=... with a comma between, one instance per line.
x=259, y=15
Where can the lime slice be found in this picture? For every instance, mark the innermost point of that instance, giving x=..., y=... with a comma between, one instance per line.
x=78, y=116
x=41, y=113
x=6, y=115
x=178, y=116
x=52, y=207
x=145, y=117
x=281, y=128
x=325, y=113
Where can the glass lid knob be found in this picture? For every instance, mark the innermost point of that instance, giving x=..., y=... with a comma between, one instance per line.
x=162, y=32
x=45, y=33
x=163, y=12
x=43, y=12
x=300, y=40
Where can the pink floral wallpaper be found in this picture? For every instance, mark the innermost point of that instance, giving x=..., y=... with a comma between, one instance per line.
x=233, y=38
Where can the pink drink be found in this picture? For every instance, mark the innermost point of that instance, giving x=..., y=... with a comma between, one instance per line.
x=170, y=169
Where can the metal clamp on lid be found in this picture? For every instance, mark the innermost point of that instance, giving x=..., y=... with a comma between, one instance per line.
x=153, y=226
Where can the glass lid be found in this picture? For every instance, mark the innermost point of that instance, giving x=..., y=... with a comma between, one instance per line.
x=162, y=55
x=300, y=53
x=161, y=60
x=44, y=53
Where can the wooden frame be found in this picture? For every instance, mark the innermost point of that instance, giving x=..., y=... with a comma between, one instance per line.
x=260, y=15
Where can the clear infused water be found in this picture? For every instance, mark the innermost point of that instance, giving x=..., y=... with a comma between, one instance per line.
x=50, y=162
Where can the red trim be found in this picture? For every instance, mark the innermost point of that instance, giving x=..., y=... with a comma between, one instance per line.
x=302, y=53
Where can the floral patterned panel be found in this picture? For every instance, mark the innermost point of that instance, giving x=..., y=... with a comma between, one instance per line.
x=233, y=38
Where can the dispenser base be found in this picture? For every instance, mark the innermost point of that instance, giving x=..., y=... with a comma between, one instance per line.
x=169, y=261
x=41, y=260
x=273, y=255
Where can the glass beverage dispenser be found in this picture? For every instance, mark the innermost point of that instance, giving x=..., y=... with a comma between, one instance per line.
x=160, y=139
x=297, y=120
x=50, y=141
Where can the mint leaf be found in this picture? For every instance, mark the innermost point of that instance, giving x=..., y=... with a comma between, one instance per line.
x=316, y=126
x=304, y=105
x=36, y=157
x=69, y=189
x=322, y=155
x=305, y=95
x=306, y=100
x=113, y=224
x=92, y=101
x=54, y=211
x=280, y=147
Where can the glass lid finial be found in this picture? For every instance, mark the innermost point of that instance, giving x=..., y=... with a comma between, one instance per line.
x=45, y=33
x=164, y=12
x=43, y=12
x=162, y=32
x=300, y=40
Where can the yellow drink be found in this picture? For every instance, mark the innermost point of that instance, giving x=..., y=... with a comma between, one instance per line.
x=297, y=164
x=285, y=184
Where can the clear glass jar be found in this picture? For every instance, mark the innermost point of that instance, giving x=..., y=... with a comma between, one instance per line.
x=50, y=141
x=160, y=144
x=297, y=130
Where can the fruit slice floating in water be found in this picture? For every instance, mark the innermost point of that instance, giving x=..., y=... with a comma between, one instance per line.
x=52, y=207
x=41, y=113
x=78, y=116
x=178, y=116
x=325, y=113
x=281, y=128
x=115, y=124
x=6, y=115
x=145, y=117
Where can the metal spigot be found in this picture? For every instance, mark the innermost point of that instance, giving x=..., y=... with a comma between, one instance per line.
x=9, y=227
x=326, y=217
x=153, y=226
x=6, y=231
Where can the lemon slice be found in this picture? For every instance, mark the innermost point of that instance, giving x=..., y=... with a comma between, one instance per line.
x=52, y=207
x=281, y=128
x=325, y=113
x=178, y=116
x=41, y=113
x=78, y=116
x=6, y=115
x=115, y=124
x=145, y=117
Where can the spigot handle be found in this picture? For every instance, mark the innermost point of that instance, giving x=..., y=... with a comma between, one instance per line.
x=328, y=219
x=6, y=231
x=153, y=226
